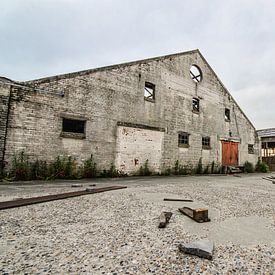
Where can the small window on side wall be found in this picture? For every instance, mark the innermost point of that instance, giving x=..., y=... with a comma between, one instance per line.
x=149, y=91
x=73, y=128
x=206, y=142
x=250, y=149
x=196, y=105
x=227, y=114
x=183, y=139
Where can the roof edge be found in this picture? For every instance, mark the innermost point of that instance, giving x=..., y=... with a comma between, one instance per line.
x=226, y=89
x=108, y=67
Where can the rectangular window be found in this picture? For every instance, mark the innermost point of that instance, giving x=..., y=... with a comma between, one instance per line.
x=183, y=139
x=196, y=105
x=227, y=114
x=250, y=149
x=205, y=142
x=73, y=126
x=149, y=91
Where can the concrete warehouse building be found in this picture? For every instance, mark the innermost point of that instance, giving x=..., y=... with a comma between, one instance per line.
x=160, y=109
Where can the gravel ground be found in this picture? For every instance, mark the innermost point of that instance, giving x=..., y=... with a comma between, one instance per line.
x=116, y=232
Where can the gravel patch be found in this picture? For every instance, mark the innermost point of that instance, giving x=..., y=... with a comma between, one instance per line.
x=117, y=232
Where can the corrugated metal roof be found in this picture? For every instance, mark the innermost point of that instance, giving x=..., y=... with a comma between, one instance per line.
x=266, y=132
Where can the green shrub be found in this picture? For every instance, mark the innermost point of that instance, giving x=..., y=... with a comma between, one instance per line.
x=176, y=168
x=89, y=168
x=261, y=167
x=216, y=168
x=167, y=172
x=112, y=172
x=206, y=169
x=38, y=170
x=199, y=168
x=20, y=169
x=248, y=167
x=145, y=171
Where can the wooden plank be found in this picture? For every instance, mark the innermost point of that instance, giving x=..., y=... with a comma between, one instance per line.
x=197, y=214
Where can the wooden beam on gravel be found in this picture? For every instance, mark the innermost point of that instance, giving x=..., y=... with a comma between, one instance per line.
x=164, y=219
x=61, y=196
x=185, y=200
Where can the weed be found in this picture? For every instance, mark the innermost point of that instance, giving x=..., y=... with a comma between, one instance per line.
x=89, y=168
x=199, y=168
x=261, y=167
x=248, y=167
x=145, y=171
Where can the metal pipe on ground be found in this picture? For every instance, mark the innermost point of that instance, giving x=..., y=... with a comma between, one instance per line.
x=61, y=196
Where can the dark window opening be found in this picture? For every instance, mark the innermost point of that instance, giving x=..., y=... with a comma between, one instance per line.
x=268, y=144
x=195, y=73
x=73, y=126
x=227, y=114
x=205, y=142
x=149, y=91
x=250, y=149
x=183, y=139
x=196, y=105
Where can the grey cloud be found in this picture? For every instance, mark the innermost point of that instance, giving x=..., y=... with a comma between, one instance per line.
x=47, y=37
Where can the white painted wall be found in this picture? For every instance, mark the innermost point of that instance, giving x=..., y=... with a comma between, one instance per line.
x=135, y=146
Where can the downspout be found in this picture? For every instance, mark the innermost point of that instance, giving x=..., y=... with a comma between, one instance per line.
x=5, y=134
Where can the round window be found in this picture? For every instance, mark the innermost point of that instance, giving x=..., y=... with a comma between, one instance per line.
x=195, y=73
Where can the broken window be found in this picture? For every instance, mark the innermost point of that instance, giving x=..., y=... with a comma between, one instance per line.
x=250, y=149
x=206, y=142
x=149, y=91
x=195, y=73
x=196, y=105
x=183, y=139
x=73, y=126
x=227, y=114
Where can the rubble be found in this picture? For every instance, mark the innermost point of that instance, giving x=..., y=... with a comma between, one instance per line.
x=201, y=248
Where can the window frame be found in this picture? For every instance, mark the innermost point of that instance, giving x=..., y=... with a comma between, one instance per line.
x=147, y=87
x=251, y=149
x=195, y=76
x=183, y=136
x=70, y=133
x=194, y=108
x=227, y=114
x=206, y=142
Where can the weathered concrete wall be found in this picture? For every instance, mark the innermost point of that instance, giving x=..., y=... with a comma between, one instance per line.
x=105, y=96
x=4, y=109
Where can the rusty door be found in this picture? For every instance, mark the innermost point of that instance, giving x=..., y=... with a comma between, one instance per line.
x=230, y=153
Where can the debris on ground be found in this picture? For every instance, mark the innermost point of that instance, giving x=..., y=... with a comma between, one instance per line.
x=164, y=218
x=92, y=184
x=185, y=200
x=197, y=214
x=201, y=248
x=76, y=185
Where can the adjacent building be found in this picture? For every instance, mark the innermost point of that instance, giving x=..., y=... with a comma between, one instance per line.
x=160, y=109
x=267, y=137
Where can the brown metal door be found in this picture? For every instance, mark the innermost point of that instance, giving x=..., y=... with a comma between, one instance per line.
x=230, y=153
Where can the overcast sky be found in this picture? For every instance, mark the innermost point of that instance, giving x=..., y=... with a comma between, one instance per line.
x=41, y=38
